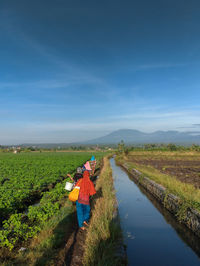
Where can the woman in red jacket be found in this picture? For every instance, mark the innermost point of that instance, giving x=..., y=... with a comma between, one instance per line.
x=83, y=203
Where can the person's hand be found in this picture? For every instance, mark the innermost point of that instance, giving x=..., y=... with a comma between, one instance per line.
x=70, y=177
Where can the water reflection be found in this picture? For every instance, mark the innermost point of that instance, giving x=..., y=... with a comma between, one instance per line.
x=152, y=234
x=184, y=233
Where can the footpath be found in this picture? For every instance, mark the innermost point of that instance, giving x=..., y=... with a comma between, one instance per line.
x=72, y=253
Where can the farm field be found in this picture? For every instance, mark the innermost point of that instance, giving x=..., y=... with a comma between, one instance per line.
x=32, y=190
x=177, y=171
x=184, y=166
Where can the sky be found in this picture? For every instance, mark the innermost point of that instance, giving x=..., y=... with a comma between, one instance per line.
x=77, y=70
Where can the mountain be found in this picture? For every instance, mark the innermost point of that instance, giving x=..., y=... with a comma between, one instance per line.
x=130, y=136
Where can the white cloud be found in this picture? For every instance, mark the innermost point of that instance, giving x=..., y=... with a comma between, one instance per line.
x=160, y=65
x=66, y=72
x=40, y=84
x=79, y=130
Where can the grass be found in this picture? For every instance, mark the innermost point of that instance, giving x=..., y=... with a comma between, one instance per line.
x=104, y=231
x=188, y=194
x=43, y=249
x=172, y=155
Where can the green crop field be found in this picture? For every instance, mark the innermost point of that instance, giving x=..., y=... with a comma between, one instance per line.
x=29, y=178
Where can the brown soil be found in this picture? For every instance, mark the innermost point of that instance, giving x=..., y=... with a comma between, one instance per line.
x=73, y=251
x=186, y=171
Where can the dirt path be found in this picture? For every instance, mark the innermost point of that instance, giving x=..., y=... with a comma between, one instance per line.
x=72, y=253
x=75, y=248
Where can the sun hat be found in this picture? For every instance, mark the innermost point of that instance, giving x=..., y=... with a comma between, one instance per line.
x=93, y=158
x=87, y=166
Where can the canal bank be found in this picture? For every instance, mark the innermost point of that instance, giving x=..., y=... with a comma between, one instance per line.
x=151, y=239
x=104, y=241
x=184, y=213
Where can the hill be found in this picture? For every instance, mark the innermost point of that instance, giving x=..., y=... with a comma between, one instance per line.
x=130, y=136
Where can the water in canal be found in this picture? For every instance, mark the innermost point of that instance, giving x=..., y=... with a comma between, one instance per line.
x=151, y=234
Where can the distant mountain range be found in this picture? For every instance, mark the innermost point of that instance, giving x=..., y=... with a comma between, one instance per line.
x=130, y=136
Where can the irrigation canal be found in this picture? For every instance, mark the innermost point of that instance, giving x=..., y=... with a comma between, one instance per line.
x=152, y=235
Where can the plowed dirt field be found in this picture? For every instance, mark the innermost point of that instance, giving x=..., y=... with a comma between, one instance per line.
x=184, y=168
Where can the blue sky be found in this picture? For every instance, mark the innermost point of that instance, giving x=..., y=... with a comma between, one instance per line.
x=77, y=70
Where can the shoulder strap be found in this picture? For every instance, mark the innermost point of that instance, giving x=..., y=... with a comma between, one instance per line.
x=79, y=182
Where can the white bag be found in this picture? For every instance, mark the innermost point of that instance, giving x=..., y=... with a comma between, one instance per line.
x=69, y=186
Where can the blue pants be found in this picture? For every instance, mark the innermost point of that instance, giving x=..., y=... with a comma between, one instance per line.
x=83, y=213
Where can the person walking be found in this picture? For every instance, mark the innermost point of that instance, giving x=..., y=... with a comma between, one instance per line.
x=93, y=164
x=78, y=175
x=87, y=167
x=83, y=203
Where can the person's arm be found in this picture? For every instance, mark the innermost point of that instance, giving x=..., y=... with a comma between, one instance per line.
x=70, y=177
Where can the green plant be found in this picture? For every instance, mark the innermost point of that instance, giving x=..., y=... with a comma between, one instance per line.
x=27, y=176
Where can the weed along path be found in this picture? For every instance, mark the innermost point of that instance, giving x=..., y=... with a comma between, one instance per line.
x=151, y=233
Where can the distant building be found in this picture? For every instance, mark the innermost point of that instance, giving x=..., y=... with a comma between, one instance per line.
x=16, y=150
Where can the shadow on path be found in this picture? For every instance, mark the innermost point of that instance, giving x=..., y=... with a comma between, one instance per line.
x=60, y=236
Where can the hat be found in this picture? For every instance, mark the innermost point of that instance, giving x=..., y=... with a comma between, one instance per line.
x=93, y=158
x=87, y=166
